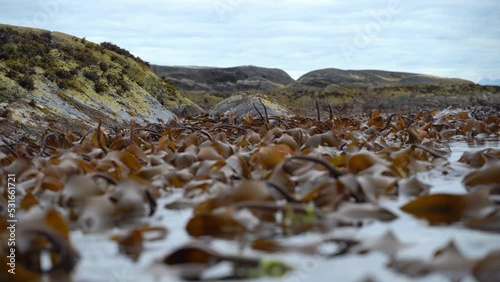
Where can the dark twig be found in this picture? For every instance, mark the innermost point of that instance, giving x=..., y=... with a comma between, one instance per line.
x=333, y=171
x=409, y=120
x=317, y=111
x=265, y=111
x=273, y=207
x=105, y=177
x=283, y=192
x=434, y=154
x=474, y=114
x=323, y=123
x=34, y=152
x=74, y=132
x=388, y=122
x=85, y=157
x=148, y=130
x=67, y=257
x=261, y=116
x=345, y=246
x=349, y=120
x=343, y=146
x=8, y=147
x=85, y=135
x=306, y=119
x=214, y=256
x=191, y=127
x=229, y=126
x=204, y=132
x=281, y=121
x=99, y=138
x=152, y=203
x=44, y=143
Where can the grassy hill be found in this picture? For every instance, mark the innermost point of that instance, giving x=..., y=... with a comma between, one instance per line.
x=349, y=91
x=54, y=78
x=332, y=77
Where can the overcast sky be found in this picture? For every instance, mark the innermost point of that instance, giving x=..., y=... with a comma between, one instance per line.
x=456, y=38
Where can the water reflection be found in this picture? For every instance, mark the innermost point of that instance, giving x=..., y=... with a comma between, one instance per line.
x=492, y=142
x=459, y=147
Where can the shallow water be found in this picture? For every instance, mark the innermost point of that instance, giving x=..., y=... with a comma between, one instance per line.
x=101, y=260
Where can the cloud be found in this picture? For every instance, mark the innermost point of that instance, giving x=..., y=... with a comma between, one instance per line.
x=449, y=38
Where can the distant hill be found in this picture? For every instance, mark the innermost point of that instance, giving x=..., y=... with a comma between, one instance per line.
x=343, y=89
x=224, y=79
x=487, y=81
x=348, y=91
x=209, y=85
x=369, y=78
x=54, y=79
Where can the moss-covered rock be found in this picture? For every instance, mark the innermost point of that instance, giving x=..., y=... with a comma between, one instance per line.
x=78, y=80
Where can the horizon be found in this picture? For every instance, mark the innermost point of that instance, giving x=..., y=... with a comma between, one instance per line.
x=450, y=39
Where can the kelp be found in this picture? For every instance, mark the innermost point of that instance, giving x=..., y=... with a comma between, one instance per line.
x=252, y=181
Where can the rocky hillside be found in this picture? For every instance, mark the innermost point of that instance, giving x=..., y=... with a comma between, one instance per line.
x=54, y=79
x=342, y=90
x=332, y=77
x=208, y=85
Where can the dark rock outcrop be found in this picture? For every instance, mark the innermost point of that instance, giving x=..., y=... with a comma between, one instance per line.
x=227, y=80
x=245, y=104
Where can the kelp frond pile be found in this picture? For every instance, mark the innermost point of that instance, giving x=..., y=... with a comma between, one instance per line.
x=256, y=182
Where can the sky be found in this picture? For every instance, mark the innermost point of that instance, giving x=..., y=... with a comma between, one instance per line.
x=452, y=38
